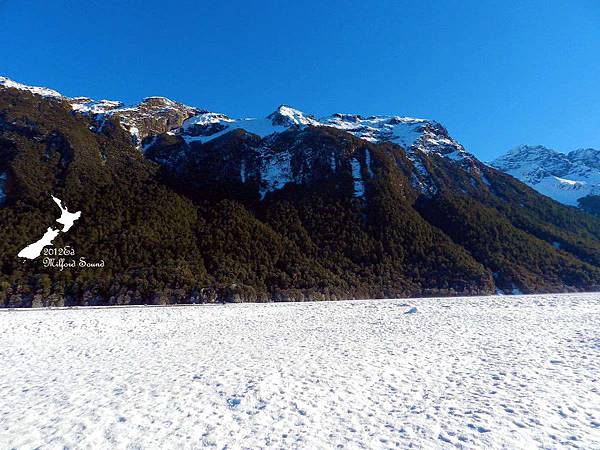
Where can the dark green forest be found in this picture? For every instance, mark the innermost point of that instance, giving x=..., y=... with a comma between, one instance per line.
x=180, y=224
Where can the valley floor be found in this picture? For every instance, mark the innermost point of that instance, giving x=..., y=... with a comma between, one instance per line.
x=480, y=372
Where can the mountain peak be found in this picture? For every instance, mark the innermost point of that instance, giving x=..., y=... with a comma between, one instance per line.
x=287, y=116
x=587, y=156
x=164, y=102
x=530, y=147
x=564, y=177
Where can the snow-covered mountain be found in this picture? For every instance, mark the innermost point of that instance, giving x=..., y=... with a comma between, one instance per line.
x=273, y=165
x=409, y=132
x=157, y=115
x=564, y=177
x=154, y=115
x=286, y=206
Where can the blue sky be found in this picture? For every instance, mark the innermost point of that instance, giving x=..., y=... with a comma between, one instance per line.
x=495, y=73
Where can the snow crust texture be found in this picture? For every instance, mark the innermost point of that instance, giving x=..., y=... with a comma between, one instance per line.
x=493, y=372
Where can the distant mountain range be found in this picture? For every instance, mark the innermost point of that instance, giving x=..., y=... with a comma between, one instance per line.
x=187, y=205
x=572, y=178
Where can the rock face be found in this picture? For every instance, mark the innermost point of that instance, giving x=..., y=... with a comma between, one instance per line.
x=285, y=207
x=282, y=161
x=567, y=178
x=408, y=132
x=153, y=116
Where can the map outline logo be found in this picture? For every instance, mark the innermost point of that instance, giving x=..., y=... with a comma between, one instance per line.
x=66, y=219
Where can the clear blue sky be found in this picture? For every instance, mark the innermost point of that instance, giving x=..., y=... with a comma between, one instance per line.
x=496, y=73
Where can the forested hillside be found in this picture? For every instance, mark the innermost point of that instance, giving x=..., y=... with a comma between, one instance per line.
x=314, y=211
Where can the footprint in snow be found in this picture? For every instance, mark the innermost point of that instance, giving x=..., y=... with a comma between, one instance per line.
x=261, y=404
x=441, y=437
x=233, y=402
x=479, y=428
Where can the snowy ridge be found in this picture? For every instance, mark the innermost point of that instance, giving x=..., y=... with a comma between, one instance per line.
x=208, y=126
x=411, y=133
x=404, y=131
x=589, y=157
x=206, y=129
x=203, y=119
x=156, y=115
x=416, y=136
x=42, y=91
x=564, y=177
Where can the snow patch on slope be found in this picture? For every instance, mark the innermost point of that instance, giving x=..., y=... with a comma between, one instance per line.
x=400, y=130
x=359, y=184
x=84, y=105
x=209, y=126
x=3, y=178
x=368, y=163
x=203, y=119
x=276, y=173
x=563, y=190
x=260, y=127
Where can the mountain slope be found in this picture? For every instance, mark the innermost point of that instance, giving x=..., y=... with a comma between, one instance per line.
x=567, y=178
x=196, y=207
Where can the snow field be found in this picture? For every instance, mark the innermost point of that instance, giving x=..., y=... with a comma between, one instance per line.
x=480, y=372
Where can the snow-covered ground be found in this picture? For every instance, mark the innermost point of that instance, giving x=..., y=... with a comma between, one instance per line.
x=483, y=372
